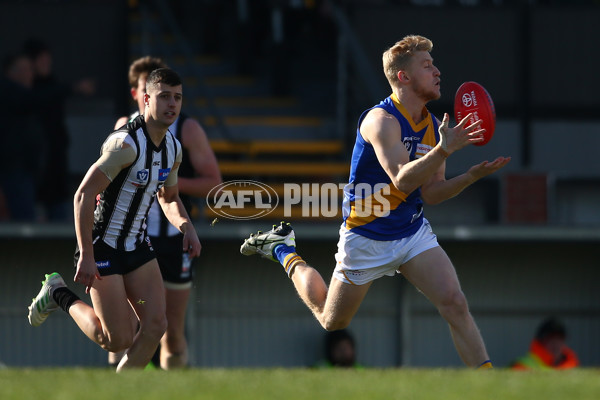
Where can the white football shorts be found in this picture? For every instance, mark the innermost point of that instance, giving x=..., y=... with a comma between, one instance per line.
x=360, y=260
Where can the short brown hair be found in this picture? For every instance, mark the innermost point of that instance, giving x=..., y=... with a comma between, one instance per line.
x=163, y=75
x=396, y=58
x=143, y=65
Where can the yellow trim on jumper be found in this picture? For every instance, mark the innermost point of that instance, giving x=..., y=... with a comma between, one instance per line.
x=368, y=206
x=427, y=120
x=428, y=142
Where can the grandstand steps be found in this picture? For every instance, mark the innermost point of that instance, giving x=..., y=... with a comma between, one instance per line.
x=256, y=132
x=204, y=65
x=230, y=104
x=322, y=169
x=258, y=148
x=254, y=105
x=241, y=129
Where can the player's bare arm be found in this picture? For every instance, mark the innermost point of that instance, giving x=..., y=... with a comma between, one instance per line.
x=116, y=155
x=94, y=182
x=172, y=206
x=202, y=158
x=383, y=132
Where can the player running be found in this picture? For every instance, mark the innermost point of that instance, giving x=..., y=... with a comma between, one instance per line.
x=114, y=258
x=198, y=174
x=400, y=151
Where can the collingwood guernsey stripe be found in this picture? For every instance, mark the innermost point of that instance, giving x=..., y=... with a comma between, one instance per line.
x=158, y=225
x=122, y=209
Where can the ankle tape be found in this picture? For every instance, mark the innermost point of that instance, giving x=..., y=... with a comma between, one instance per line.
x=290, y=261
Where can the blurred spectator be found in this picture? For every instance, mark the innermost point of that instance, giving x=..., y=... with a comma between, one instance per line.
x=54, y=192
x=548, y=349
x=340, y=350
x=22, y=140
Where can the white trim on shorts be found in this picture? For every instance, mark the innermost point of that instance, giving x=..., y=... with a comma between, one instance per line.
x=360, y=260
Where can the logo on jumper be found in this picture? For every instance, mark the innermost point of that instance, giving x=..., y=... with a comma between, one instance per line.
x=422, y=149
x=142, y=175
x=103, y=264
x=141, y=178
x=149, y=243
x=408, y=142
x=163, y=174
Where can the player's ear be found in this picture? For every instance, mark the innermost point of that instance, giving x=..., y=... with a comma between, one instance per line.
x=403, y=76
x=146, y=99
x=133, y=92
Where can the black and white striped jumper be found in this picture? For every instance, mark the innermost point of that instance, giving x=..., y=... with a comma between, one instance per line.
x=122, y=208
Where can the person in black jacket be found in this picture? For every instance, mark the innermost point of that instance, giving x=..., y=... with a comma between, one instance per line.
x=54, y=190
x=22, y=139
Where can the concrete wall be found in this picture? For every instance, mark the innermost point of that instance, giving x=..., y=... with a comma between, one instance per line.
x=244, y=312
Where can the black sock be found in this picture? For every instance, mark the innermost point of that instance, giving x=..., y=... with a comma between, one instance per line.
x=64, y=297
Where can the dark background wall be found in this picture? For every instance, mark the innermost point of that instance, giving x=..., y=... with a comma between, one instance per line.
x=552, y=47
x=546, y=52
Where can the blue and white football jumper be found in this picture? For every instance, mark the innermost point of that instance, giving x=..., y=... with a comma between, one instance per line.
x=404, y=215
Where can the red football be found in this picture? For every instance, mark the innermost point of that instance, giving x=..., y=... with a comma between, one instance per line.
x=471, y=97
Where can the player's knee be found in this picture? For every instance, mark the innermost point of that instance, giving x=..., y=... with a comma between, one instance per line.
x=156, y=326
x=335, y=324
x=115, y=343
x=453, y=305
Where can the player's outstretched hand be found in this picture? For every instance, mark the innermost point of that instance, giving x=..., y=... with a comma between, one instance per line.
x=454, y=139
x=486, y=168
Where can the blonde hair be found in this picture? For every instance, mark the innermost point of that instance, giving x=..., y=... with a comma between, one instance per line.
x=397, y=57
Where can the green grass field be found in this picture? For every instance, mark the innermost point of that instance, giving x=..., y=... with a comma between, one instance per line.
x=290, y=384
